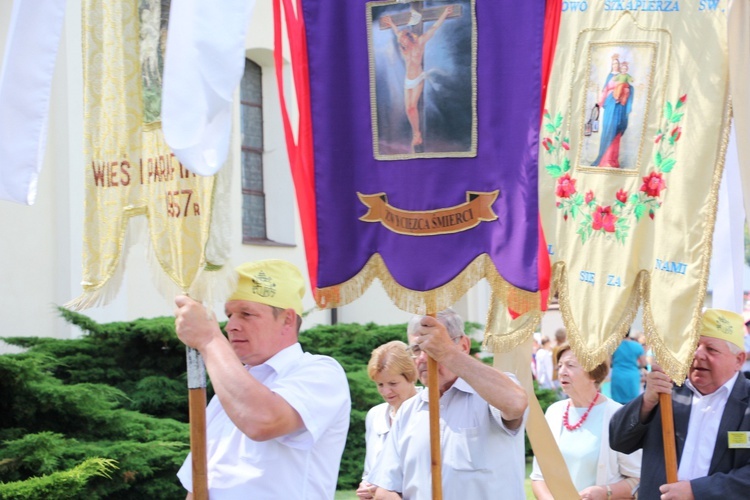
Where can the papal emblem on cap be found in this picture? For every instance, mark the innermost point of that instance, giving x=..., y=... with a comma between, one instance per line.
x=263, y=285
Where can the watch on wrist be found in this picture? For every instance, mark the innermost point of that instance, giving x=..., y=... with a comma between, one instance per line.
x=609, y=492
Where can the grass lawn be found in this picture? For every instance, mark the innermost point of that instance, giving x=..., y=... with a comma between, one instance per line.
x=349, y=495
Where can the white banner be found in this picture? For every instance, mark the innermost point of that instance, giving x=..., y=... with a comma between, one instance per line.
x=25, y=83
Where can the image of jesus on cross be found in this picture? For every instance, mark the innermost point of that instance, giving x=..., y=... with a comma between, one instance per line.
x=412, y=42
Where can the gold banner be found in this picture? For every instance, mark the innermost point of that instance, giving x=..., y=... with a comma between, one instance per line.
x=130, y=171
x=631, y=155
x=478, y=208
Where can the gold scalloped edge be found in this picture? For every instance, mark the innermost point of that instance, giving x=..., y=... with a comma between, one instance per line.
x=506, y=342
x=430, y=301
x=676, y=369
x=589, y=358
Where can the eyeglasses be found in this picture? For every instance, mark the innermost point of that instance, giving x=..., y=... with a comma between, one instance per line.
x=415, y=351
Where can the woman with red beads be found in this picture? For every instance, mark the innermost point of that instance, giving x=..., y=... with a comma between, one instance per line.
x=580, y=426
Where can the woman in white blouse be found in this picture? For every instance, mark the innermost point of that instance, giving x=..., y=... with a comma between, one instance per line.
x=580, y=426
x=392, y=368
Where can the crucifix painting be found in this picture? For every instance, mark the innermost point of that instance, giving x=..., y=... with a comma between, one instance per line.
x=422, y=74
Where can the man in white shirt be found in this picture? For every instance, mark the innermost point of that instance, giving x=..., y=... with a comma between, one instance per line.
x=278, y=423
x=711, y=420
x=481, y=424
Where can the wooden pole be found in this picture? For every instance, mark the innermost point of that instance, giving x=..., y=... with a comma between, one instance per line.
x=434, y=394
x=670, y=446
x=196, y=375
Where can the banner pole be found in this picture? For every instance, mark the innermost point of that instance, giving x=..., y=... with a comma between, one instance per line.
x=433, y=391
x=434, y=395
x=196, y=377
x=670, y=446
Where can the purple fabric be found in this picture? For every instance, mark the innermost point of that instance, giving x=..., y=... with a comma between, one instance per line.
x=509, y=36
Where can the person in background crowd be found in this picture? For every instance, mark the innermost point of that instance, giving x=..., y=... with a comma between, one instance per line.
x=627, y=361
x=544, y=365
x=580, y=426
x=561, y=337
x=746, y=343
x=392, y=368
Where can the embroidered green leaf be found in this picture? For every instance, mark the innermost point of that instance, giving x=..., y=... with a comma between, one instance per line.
x=558, y=120
x=657, y=159
x=668, y=165
x=574, y=211
x=554, y=170
x=676, y=117
x=640, y=210
x=566, y=164
x=549, y=128
x=577, y=199
x=668, y=111
x=633, y=198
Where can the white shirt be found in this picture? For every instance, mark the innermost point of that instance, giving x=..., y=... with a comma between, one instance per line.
x=301, y=465
x=481, y=457
x=544, y=369
x=612, y=466
x=703, y=427
x=377, y=425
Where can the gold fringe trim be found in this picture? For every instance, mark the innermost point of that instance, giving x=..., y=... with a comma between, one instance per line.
x=105, y=291
x=520, y=330
x=503, y=294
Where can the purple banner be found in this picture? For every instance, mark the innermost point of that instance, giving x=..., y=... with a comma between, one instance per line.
x=425, y=128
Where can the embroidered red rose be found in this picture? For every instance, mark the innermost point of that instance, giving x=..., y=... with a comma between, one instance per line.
x=622, y=196
x=675, y=134
x=683, y=99
x=565, y=145
x=653, y=184
x=603, y=218
x=547, y=143
x=658, y=138
x=589, y=197
x=566, y=187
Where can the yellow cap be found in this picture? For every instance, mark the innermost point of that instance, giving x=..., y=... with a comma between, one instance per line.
x=273, y=282
x=724, y=325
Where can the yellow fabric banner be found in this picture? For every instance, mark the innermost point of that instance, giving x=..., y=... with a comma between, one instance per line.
x=130, y=171
x=631, y=154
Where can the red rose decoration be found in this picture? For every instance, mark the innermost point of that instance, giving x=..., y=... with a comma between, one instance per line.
x=589, y=197
x=566, y=186
x=622, y=196
x=675, y=134
x=603, y=218
x=653, y=184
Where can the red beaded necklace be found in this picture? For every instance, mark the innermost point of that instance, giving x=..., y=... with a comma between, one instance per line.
x=583, y=418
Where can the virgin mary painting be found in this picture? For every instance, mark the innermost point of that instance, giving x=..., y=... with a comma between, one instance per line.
x=616, y=103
